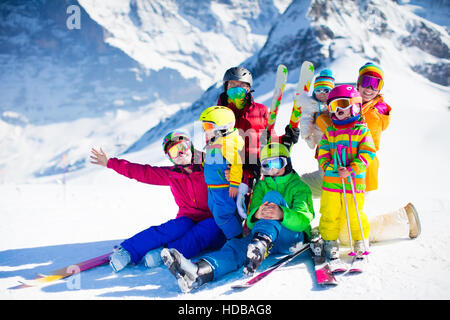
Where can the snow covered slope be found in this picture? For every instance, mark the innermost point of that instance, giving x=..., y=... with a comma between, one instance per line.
x=48, y=224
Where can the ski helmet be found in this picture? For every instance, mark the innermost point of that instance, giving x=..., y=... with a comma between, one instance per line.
x=274, y=149
x=275, y=156
x=174, y=136
x=238, y=74
x=219, y=118
x=345, y=96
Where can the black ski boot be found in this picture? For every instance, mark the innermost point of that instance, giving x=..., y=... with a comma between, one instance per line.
x=189, y=275
x=257, y=251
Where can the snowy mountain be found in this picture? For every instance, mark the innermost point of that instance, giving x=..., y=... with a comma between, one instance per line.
x=59, y=100
x=136, y=61
x=345, y=35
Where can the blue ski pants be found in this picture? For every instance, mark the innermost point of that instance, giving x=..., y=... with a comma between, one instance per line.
x=187, y=236
x=233, y=254
x=224, y=210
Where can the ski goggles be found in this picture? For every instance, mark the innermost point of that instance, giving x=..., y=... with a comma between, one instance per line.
x=343, y=103
x=237, y=84
x=368, y=81
x=178, y=149
x=274, y=163
x=322, y=90
x=208, y=126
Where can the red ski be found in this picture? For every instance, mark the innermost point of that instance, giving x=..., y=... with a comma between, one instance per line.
x=262, y=275
x=65, y=272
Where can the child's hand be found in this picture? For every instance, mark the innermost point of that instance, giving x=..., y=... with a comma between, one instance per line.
x=227, y=174
x=99, y=158
x=343, y=172
x=233, y=192
x=259, y=213
x=272, y=212
x=269, y=211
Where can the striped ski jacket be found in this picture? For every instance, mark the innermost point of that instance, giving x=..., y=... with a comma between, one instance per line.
x=356, y=139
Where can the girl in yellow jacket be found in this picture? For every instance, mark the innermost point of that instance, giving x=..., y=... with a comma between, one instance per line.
x=376, y=113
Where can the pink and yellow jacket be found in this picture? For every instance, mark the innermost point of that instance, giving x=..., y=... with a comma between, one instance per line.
x=189, y=190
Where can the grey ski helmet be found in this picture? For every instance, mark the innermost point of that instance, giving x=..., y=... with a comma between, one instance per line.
x=238, y=74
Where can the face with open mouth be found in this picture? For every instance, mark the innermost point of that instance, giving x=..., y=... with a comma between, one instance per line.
x=342, y=114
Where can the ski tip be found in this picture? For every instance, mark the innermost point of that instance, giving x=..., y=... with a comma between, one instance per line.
x=22, y=285
x=240, y=286
x=329, y=284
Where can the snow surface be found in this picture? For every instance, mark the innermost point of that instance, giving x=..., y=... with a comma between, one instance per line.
x=52, y=221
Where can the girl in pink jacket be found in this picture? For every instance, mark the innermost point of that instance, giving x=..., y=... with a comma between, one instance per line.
x=193, y=230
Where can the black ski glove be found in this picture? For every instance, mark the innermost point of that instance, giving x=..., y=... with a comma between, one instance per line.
x=291, y=136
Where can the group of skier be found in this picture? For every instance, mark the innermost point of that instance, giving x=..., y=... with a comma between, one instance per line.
x=241, y=199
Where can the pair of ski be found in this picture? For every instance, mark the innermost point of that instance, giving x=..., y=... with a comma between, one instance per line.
x=336, y=266
x=323, y=273
x=303, y=85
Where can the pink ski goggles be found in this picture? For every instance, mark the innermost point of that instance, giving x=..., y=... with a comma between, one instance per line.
x=368, y=81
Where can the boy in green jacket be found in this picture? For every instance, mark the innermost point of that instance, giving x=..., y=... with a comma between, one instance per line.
x=280, y=214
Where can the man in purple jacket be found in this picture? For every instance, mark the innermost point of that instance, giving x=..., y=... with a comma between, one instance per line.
x=193, y=230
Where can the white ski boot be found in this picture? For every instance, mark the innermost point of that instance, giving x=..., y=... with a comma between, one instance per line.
x=360, y=259
x=331, y=248
x=189, y=275
x=119, y=259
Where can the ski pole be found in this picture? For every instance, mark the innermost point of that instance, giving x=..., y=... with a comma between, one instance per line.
x=352, y=252
x=341, y=163
x=359, y=217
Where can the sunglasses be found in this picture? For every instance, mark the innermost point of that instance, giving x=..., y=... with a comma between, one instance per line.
x=342, y=103
x=178, y=149
x=322, y=90
x=368, y=81
x=274, y=163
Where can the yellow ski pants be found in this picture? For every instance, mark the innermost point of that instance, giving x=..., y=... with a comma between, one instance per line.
x=333, y=217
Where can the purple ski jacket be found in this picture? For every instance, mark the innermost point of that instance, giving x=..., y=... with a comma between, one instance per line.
x=189, y=190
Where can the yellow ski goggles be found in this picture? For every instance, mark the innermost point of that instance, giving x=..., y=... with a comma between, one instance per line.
x=178, y=149
x=343, y=103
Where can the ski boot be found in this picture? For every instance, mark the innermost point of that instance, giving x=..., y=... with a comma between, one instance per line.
x=189, y=275
x=257, y=251
x=360, y=257
x=119, y=259
x=331, y=248
x=414, y=221
x=153, y=258
x=316, y=243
